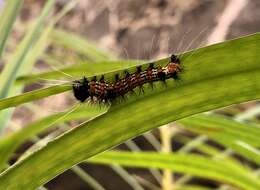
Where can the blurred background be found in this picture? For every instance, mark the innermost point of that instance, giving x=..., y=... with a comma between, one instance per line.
x=142, y=30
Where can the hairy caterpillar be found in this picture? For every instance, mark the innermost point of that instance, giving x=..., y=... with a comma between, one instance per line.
x=105, y=91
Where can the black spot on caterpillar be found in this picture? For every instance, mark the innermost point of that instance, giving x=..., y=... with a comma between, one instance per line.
x=106, y=92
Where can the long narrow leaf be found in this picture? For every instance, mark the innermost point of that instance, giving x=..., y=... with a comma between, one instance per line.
x=242, y=138
x=11, y=142
x=79, y=44
x=22, y=61
x=77, y=71
x=12, y=68
x=202, y=87
x=34, y=95
x=221, y=170
x=8, y=16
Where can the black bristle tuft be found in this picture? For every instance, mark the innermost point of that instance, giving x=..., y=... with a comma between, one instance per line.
x=102, y=79
x=127, y=74
x=151, y=66
x=139, y=69
x=161, y=74
x=175, y=59
x=175, y=76
x=117, y=77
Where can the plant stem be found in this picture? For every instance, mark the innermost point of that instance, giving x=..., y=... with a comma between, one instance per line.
x=167, y=179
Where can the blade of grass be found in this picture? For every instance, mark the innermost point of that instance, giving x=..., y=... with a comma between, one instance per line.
x=134, y=147
x=239, y=137
x=11, y=142
x=18, y=63
x=31, y=56
x=250, y=113
x=33, y=95
x=202, y=87
x=79, y=44
x=219, y=127
x=30, y=49
x=127, y=177
x=8, y=15
x=85, y=68
x=166, y=147
x=87, y=178
x=221, y=170
x=12, y=69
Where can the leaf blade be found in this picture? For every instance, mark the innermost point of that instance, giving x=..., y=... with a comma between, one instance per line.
x=202, y=88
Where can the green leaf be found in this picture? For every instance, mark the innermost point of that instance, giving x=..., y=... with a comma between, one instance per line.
x=220, y=170
x=79, y=44
x=242, y=138
x=9, y=73
x=203, y=86
x=85, y=68
x=8, y=15
x=33, y=95
x=10, y=143
x=22, y=60
x=219, y=127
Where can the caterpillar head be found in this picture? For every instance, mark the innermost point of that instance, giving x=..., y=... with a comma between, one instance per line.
x=81, y=89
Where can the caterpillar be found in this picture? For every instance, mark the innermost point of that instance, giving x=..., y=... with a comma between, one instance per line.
x=104, y=91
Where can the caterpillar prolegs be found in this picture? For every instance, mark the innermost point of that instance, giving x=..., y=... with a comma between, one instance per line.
x=107, y=92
